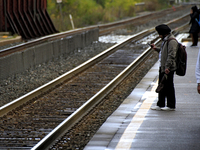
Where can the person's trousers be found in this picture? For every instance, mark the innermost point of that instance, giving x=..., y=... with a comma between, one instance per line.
x=168, y=92
x=194, y=38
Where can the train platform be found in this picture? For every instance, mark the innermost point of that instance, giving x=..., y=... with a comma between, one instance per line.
x=134, y=126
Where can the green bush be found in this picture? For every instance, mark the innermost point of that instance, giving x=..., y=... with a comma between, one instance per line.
x=91, y=12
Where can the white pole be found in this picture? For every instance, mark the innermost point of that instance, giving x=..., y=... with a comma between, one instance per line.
x=61, y=16
x=71, y=19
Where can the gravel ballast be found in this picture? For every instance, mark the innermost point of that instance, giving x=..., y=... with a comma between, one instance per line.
x=20, y=84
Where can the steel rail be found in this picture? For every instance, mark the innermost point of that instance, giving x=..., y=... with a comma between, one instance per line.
x=52, y=37
x=63, y=127
x=103, y=28
x=107, y=28
x=47, y=141
x=10, y=106
x=68, y=75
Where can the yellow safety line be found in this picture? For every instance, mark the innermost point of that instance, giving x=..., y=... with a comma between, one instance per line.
x=126, y=140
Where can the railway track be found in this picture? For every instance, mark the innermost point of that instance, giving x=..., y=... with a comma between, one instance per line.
x=27, y=120
x=16, y=79
x=103, y=29
x=140, y=20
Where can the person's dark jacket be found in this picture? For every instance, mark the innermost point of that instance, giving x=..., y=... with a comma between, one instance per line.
x=194, y=25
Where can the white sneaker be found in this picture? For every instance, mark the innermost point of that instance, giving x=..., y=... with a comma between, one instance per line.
x=167, y=109
x=156, y=108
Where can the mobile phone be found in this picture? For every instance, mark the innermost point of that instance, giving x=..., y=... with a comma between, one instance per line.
x=149, y=44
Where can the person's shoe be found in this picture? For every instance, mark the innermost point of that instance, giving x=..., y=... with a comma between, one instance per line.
x=167, y=109
x=193, y=45
x=156, y=108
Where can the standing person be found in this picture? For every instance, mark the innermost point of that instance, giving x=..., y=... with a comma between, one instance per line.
x=167, y=58
x=194, y=29
x=198, y=72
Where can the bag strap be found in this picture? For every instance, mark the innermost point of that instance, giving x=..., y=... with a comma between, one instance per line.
x=198, y=21
x=170, y=40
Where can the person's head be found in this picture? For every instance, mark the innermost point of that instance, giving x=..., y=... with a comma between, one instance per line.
x=163, y=30
x=194, y=9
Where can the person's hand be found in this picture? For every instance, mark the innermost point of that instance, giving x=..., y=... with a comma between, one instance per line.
x=198, y=88
x=153, y=46
x=167, y=71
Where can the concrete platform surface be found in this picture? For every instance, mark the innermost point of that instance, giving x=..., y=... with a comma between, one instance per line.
x=134, y=126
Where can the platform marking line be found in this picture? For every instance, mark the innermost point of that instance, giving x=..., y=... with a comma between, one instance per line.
x=126, y=140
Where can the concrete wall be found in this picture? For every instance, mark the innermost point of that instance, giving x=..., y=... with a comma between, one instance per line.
x=33, y=56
